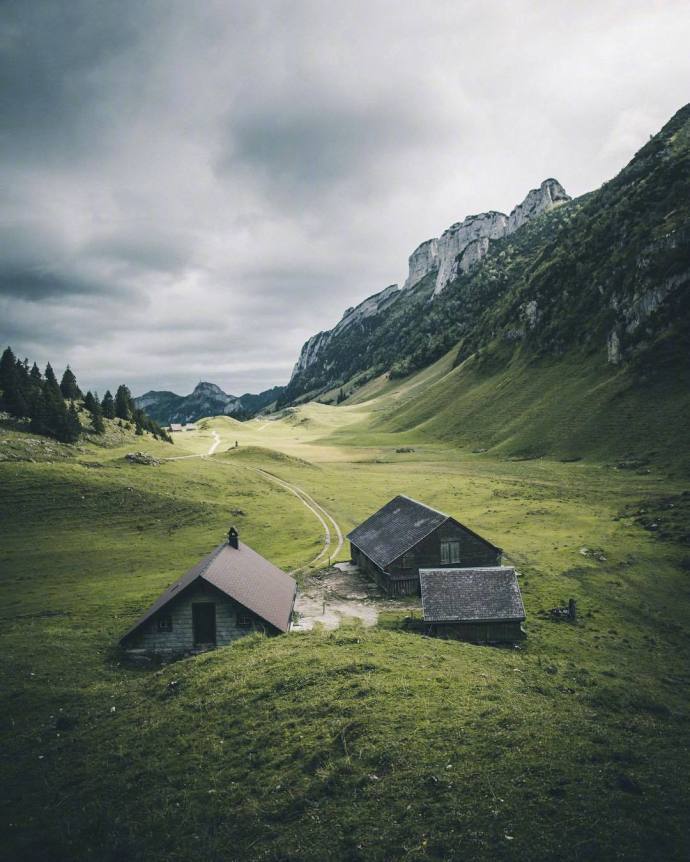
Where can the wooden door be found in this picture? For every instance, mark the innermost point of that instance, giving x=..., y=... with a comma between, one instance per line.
x=204, y=623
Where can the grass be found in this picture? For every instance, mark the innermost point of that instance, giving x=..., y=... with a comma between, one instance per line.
x=358, y=744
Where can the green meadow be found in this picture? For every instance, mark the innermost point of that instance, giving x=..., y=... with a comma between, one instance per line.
x=357, y=744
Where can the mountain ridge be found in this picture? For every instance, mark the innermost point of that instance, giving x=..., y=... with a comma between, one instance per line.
x=606, y=269
x=206, y=399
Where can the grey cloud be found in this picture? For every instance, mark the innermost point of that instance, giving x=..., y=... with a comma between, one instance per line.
x=145, y=248
x=55, y=58
x=190, y=190
x=300, y=149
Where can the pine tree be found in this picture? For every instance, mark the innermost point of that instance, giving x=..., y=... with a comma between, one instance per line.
x=68, y=385
x=97, y=420
x=35, y=375
x=72, y=426
x=8, y=378
x=92, y=404
x=108, y=405
x=50, y=383
x=124, y=408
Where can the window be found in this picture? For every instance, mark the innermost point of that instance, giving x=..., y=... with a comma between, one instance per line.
x=165, y=623
x=408, y=560
x=244, y=619
x=450, y=553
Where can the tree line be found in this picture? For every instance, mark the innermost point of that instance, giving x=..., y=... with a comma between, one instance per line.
x=53, y=408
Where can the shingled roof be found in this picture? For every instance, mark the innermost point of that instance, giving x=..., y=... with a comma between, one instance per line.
x=244, y=576
x=397, y=527
x=471, y=595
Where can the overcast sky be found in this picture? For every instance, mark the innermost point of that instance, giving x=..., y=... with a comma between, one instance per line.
x=191, y=189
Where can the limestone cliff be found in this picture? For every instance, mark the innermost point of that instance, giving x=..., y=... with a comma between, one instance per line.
x=314, y=347
x=464, y=244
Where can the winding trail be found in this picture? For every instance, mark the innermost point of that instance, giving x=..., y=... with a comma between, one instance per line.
x=215, y=444
x=325, y=518
x=333, y=539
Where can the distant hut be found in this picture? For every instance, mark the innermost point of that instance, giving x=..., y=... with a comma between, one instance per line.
x=232, y=592
x=176, y=427
x=405, y=535
x=482, y=605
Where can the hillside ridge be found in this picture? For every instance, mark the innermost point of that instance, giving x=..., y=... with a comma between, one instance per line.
x=606, y=271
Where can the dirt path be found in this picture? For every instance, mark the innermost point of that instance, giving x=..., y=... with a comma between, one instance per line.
x=333, y=537
x=324, y=517
x=215, y=444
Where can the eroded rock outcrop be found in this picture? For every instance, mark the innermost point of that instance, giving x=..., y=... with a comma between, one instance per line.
x=313, y=349
x=549, y=194
x=456, y=252
x=464, y=244
x=422, y=261
x=458, y=236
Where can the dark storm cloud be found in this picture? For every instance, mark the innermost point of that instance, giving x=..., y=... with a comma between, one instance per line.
x=33, y=285
x=190, y=190
x=302, y=150
x=54, y=60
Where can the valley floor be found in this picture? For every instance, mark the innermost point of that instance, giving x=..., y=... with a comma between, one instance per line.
x=365, y=742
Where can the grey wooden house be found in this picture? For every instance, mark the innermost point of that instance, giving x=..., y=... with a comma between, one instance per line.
x=482, y=605
x=405, y=536
x=231, y=592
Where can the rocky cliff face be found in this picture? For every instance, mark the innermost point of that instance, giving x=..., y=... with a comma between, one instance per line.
x=312, y=349
x=455, y=239
x=549, y=194
x=464, y=244
x=422, y=261
x=609, y=271
x=456, y=252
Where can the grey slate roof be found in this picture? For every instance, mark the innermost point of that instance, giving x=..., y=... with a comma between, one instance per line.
x=399, y=526
x=395, y=528
x=243, y=575
x=471, y=595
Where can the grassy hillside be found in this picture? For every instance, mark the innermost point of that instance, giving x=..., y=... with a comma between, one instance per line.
x=575, y=406
x=607, y=271
x=360, y=744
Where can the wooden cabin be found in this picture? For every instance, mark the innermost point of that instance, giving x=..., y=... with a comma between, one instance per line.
x=405, y=536
x=231, y=592
x=482, y=605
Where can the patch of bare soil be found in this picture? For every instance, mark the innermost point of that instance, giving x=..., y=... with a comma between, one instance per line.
x=342, y=591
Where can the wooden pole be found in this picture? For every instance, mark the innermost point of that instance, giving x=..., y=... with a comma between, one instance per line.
x=572, y=610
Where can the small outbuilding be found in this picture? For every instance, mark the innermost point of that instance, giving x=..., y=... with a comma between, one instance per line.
x=404, y=536
x=482, y=605
x=231, y=592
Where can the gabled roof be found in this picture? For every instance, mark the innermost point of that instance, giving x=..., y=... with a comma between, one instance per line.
x=475, y=595
x=399, y=526
x=244, y=576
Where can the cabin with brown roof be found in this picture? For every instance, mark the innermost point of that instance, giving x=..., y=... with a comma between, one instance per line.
x=231, y=592
x=404, y=536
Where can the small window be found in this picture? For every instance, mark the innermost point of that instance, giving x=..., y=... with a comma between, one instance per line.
x=244, y=619
x=408, y=560
x=450, y=553
x=165, y=623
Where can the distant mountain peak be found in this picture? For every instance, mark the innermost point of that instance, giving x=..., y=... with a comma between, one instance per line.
x=212, y=389
x=207, y=399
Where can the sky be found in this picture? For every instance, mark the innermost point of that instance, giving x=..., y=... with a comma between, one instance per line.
x=190, y=190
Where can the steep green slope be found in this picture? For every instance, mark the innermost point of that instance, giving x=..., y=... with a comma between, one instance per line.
x=516, y=405
x=607, y=272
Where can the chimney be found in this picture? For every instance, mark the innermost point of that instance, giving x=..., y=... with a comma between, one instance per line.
x=233, y=538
